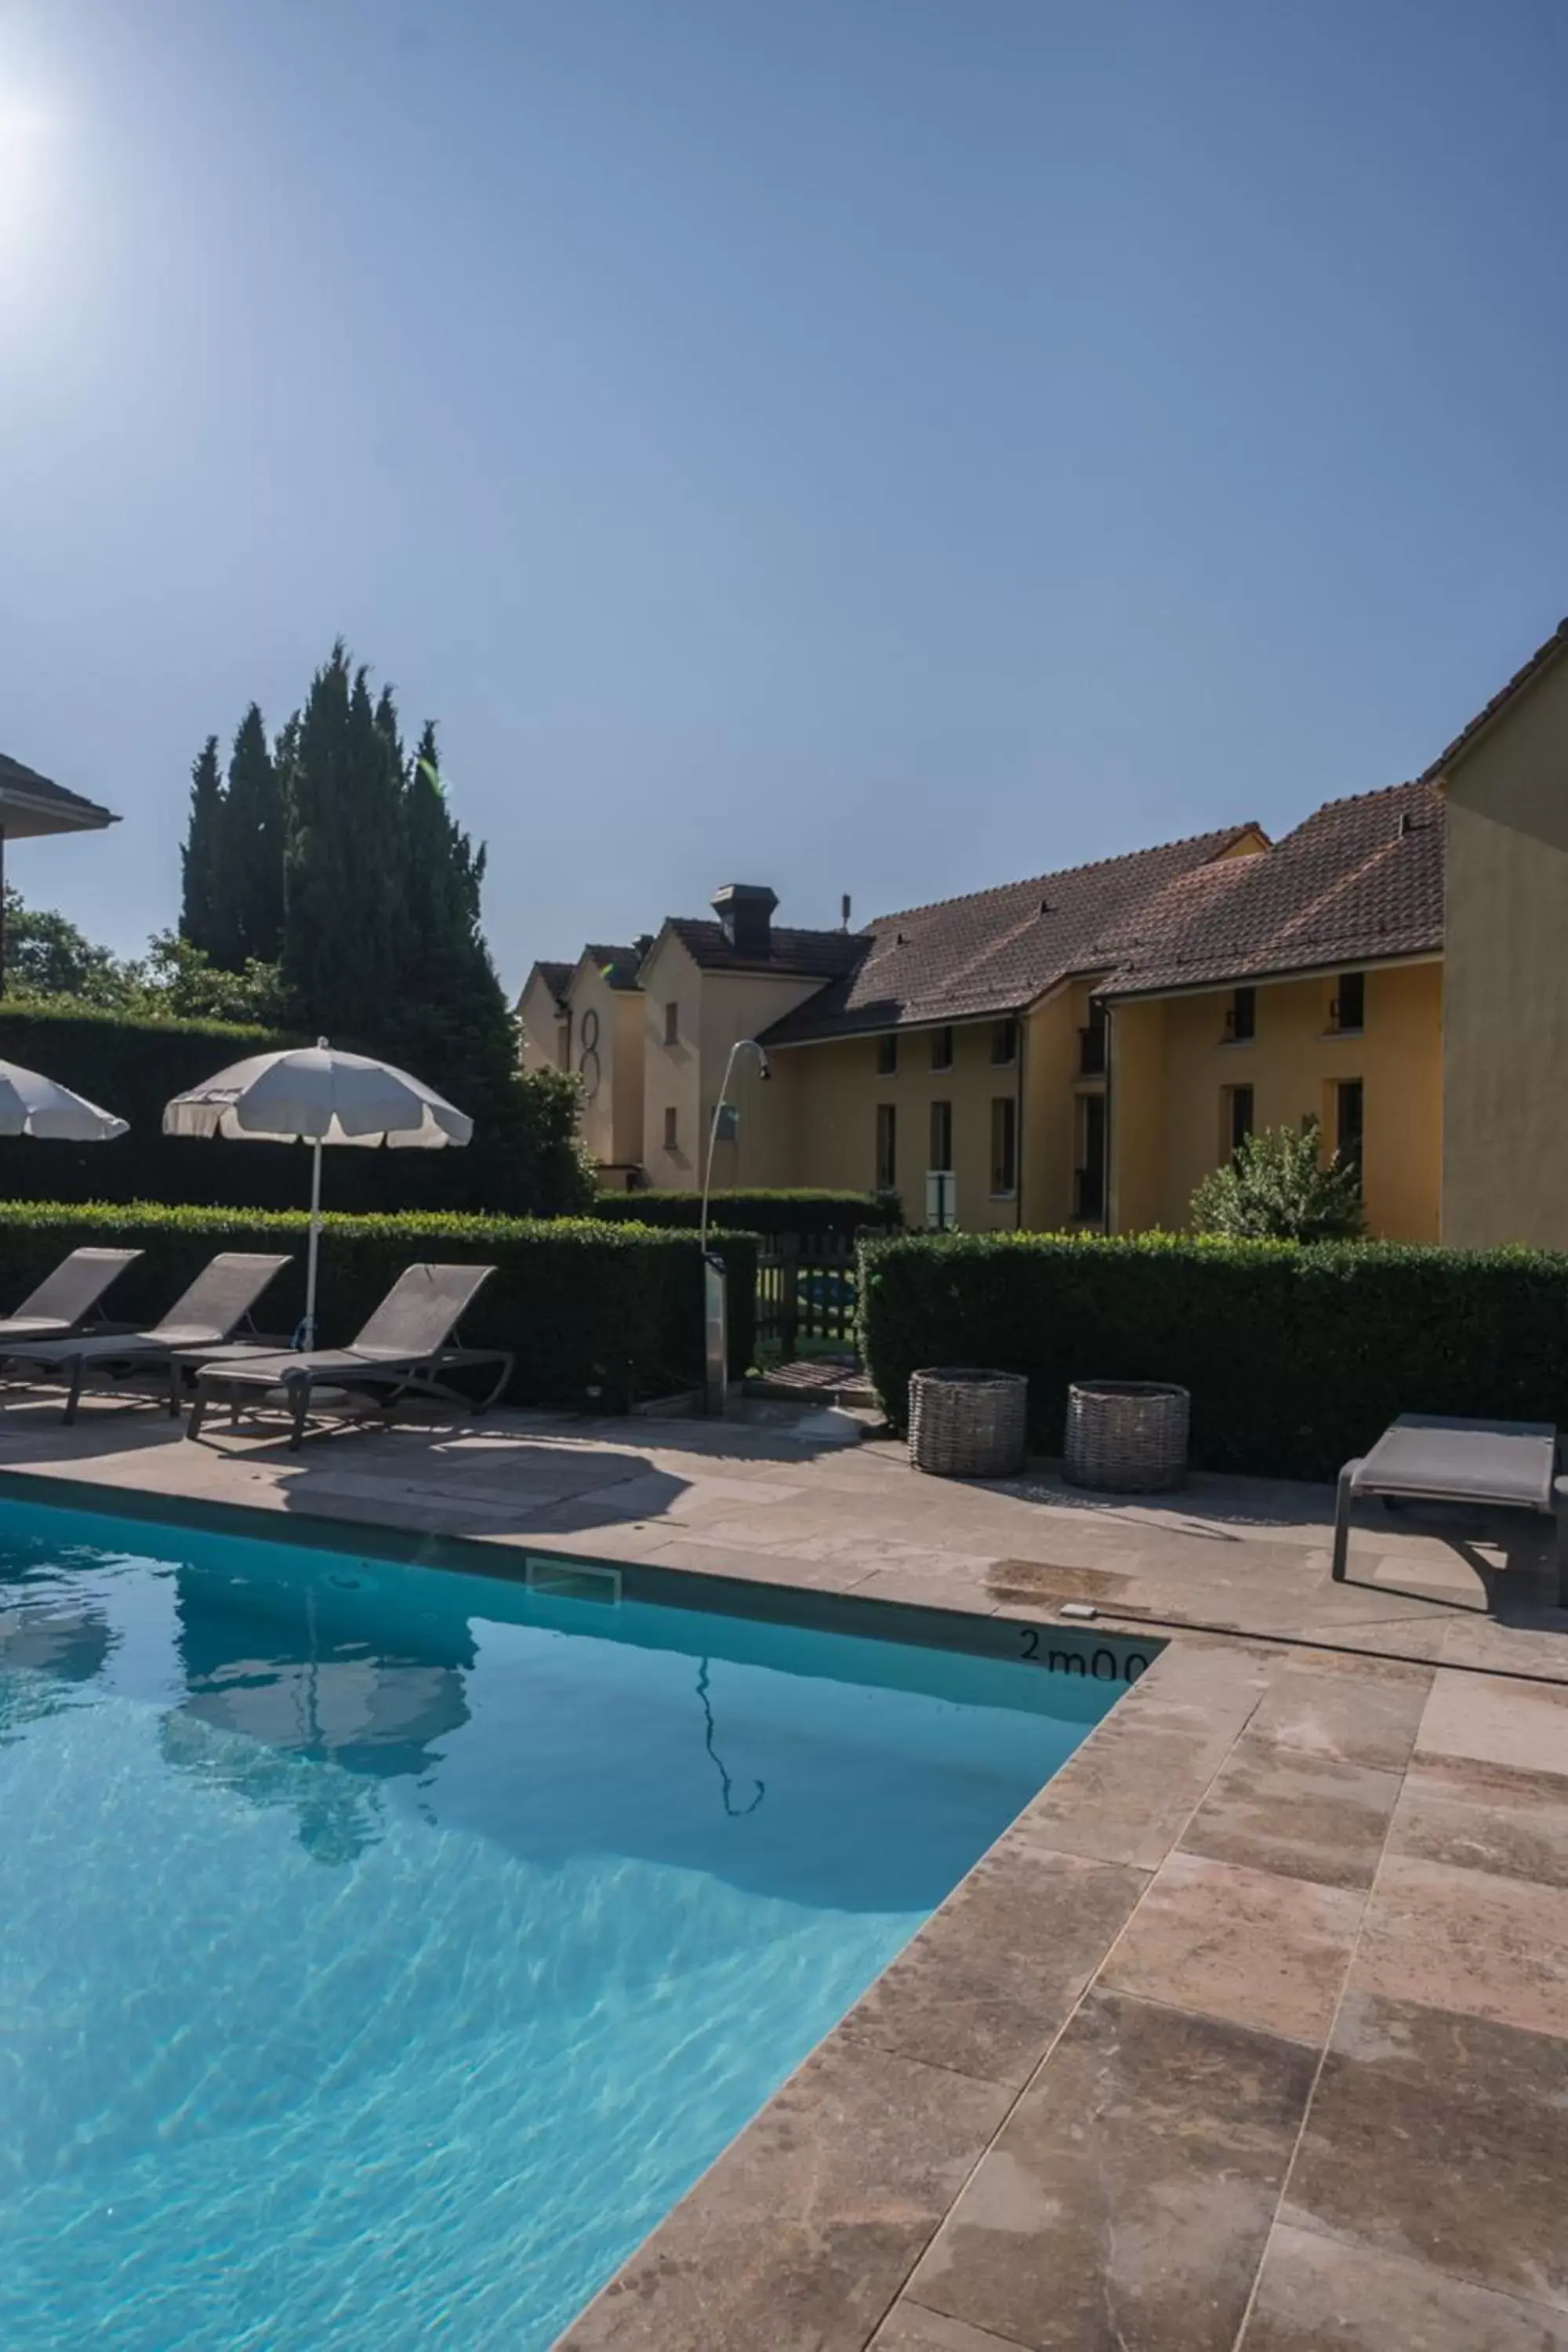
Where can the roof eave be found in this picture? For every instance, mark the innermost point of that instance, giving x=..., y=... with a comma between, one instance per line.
x=57, y=816
x=1351, y=958
x=1523, y=679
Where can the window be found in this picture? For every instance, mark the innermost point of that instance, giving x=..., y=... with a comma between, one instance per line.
x=887, y=1146
x=672, y=1023
x=1088, y=1180
x=1241, y=1021
x=1348, y=1112
x=887, y=1056
x=1348, y=1011
x=1092, y=1043
x=1238, y=1117
x=940, y=1059
x=941, y=1135
x=1004, y=1144
x=1003, y=1043
x=671, y=1128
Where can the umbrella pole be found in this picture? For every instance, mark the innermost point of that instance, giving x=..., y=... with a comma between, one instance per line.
x=311, y=1253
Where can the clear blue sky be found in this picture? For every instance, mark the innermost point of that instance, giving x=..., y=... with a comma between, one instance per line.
x=884, y=445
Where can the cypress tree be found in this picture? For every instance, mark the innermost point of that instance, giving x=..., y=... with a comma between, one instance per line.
x=201, y=908
x=252, y=861
x=455, y=1004
x=343, y=868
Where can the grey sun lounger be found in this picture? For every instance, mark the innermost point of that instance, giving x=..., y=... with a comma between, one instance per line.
x=217, y=1304
x=408, y=1348
x=70, y=1300
x=1425, y=1457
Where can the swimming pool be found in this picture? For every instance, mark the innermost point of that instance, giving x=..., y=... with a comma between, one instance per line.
x=385, y=1949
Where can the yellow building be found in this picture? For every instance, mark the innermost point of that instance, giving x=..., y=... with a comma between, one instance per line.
x=587, y=1017
x=1505, y=963
x=1082, y=1047
x=649, y=1029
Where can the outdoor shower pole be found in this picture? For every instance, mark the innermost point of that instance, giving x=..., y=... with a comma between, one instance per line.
x=715, y=1316
x=308, y=1335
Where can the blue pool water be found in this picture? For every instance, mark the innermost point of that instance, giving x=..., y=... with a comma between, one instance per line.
x=384, y=1950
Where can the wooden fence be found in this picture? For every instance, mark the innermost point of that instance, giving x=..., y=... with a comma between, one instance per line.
x=806, y=1289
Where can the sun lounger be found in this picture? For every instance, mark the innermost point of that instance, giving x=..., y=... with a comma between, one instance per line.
x=1429, y=1458
x=218, y=1305
x=408, y=1348
x=70, y=1300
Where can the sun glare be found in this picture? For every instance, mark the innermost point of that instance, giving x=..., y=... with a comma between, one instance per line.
x=25, y=138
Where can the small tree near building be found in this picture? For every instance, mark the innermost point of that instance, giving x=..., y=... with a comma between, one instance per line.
x=1278, y=1187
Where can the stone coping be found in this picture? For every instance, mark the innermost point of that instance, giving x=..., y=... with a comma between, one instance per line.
x=1249, y=2034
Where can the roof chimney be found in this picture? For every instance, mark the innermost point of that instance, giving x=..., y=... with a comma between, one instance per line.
x=745, y=912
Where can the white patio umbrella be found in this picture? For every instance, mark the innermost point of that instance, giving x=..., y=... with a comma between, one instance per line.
x=30, y=1105
x=315, y=1095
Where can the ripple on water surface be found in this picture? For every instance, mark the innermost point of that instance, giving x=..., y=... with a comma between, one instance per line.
x=380, y=1960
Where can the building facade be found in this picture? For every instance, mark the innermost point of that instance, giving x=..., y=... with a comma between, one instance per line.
x=1079, y=1050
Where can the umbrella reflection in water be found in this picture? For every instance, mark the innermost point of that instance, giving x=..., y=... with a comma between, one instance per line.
x=275, y=1694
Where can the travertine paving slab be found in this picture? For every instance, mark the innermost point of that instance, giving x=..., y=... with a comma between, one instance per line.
x=1303, y=1816
x=1127, y=1797
x=1264, y=1951
x=801, y=2235
x=925, y=1589
x=1442, y=2139
x=1467, y=1940
x=910, y=2327
x=1490, y=1722
x=994, y=1977
x=1318, y=2295
x=1484, y=1817
x=1352, y=1710
x=1128, y=2199
x=1536, y=1645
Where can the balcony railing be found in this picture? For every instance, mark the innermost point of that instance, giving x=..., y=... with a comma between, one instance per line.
x=1089, y=1193
x=1091, y=1051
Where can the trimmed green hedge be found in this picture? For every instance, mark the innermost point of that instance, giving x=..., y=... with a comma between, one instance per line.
x=132, y=1067
x=1296, y=1356
x=599, y=1316
x=802, y=1211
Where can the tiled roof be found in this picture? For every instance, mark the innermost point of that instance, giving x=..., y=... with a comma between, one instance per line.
x=619, y=966
x=1360, y=880
x=60, y=810
x=557, y=978
x=1555, y=644
x=810, y=955
x=994, y=950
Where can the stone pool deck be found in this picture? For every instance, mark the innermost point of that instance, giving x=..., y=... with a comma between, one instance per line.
x=1251, y=2032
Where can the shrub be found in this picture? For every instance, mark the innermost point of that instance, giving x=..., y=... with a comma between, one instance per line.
x=782, y=1210
x=134, y=1067
x=1296, y=1356
x=597, y=1315
x=1278, y=1187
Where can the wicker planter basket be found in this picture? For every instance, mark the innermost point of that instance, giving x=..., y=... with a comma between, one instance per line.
x=1130, y=1436
x=965, y=1423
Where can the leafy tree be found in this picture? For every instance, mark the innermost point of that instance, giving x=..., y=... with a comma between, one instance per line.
x=203, y=916
x=180, y=980
x=1278, y=1187
x=250, y=860
x=46, y=955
